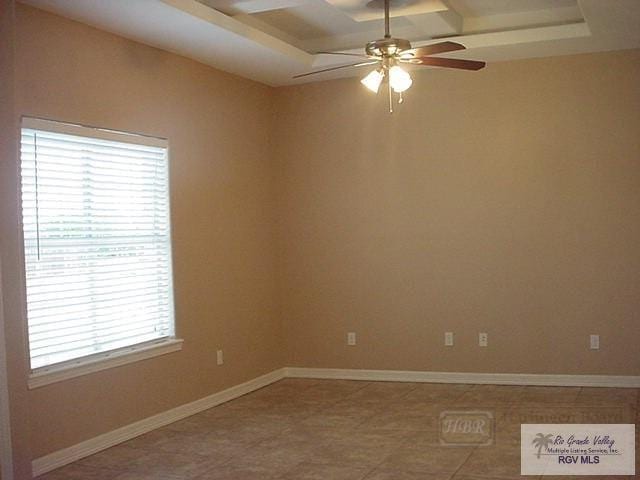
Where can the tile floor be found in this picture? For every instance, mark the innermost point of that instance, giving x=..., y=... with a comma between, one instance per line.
x=307, y=429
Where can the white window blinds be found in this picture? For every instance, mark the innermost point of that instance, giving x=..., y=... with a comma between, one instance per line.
x=97, y=242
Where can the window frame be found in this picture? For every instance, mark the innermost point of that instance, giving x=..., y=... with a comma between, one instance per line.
x=87, y=364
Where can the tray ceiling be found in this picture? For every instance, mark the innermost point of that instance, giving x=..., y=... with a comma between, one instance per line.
x=272, y=40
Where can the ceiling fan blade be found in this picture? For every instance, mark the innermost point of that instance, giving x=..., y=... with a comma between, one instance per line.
x=361, y=55
x=336, y=68
x=447, y=63
x=441, y=47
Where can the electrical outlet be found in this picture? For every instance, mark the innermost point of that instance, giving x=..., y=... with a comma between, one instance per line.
x=448, y=339
x=219, y=357
x=351, y=338
x=594, y=342
x=483, y=339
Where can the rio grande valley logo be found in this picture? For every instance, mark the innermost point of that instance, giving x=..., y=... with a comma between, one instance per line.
x=577, y=449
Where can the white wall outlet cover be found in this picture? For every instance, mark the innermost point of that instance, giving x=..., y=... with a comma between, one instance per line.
x=448, y=339
x=351, y=338
x=219, y=357
x=483, y=339
x=594, y=342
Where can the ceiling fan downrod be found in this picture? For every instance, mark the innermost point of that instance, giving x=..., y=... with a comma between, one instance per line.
x=387, y=33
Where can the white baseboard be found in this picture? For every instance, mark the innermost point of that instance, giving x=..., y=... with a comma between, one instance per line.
x=101, y=442
x=472, y=378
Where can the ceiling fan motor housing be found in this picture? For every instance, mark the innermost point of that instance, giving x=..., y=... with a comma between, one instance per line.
x=387, y=47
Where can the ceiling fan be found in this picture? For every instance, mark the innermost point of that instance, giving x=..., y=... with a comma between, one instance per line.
x=390, y=53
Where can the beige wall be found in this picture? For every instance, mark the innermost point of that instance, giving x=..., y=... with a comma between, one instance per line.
x=504, y=201
x=11, y=303
x=222, y=214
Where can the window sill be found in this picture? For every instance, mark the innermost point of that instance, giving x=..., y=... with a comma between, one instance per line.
x=116, y=359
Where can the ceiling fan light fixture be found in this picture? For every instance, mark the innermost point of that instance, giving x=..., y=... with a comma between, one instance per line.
x=390, y=52
x=373, y=80
x=399, y=79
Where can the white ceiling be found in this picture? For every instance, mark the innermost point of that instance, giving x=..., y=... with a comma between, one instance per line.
x=272, y=40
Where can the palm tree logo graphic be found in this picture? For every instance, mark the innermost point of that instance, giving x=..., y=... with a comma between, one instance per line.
x=542, y=441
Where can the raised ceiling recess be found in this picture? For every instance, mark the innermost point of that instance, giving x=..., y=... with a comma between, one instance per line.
x=273, y=40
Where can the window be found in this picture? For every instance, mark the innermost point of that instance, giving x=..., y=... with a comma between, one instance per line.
x=97, y=243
